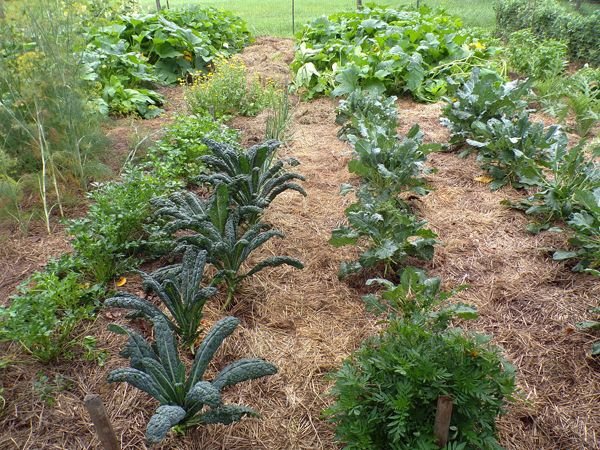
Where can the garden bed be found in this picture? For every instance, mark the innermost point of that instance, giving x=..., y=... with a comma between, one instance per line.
x=306, y=322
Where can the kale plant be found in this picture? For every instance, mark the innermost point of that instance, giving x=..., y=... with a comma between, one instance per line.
x=179, y=288
x=253, y=179
x=186, y=401
x=222, y=231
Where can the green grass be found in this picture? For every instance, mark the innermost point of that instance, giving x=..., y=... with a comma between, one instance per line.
x=274, y=17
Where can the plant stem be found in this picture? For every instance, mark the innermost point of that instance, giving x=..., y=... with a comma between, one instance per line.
x=230, y=293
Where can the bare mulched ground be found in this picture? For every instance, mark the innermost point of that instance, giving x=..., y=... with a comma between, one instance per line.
x=306, y=321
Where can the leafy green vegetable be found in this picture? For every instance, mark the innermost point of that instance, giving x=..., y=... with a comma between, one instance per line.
x=219, y=231
x=251, y=176
x=571, y=171
x=516, y=151
x=185, y=401
x=179, y=288
x=366, y=109
x=482, y=97
x=417, y=299
x=392, y=234
x=46, y=311
x=586, y=225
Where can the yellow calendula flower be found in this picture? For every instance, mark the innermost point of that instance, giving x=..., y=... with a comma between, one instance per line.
x=121, y=282
x=478, y=46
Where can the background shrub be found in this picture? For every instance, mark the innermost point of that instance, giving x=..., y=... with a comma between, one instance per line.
x=549, y=19
x=541, y=59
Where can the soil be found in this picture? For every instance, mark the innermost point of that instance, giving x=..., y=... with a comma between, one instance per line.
x=307, y=321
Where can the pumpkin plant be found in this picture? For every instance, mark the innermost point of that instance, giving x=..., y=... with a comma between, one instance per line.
x=186, y=401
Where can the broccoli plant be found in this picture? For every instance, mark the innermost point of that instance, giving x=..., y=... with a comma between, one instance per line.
x=185, y=401
x=516, y=151
x=179, y=288
x=586, y=227
x=362, y=109
x=571, y=171
x=482, y=97
x=392, y=232
x=390, y=164
x=218, y=230
x=251, y=176
x=417, y=299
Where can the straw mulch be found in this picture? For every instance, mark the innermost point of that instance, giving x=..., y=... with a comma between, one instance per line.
x=306, y=321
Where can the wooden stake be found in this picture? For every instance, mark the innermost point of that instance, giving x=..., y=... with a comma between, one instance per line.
x=104, y=430
x=443, y=415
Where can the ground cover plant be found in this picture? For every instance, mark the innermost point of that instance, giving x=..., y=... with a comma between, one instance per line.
x=390, y=51
x=158, y=371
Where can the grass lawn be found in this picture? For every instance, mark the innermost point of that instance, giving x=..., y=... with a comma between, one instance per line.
x=274, y=17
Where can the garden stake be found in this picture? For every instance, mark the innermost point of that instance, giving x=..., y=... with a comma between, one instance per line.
x=443, y=415
x=104, y=430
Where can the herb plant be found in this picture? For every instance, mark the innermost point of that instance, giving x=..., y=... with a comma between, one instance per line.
x=186, y=401
x=44, y=314
x=229, y=90
x=179, y=288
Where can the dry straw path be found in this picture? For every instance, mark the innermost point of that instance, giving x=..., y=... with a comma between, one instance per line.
x=307, y=321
